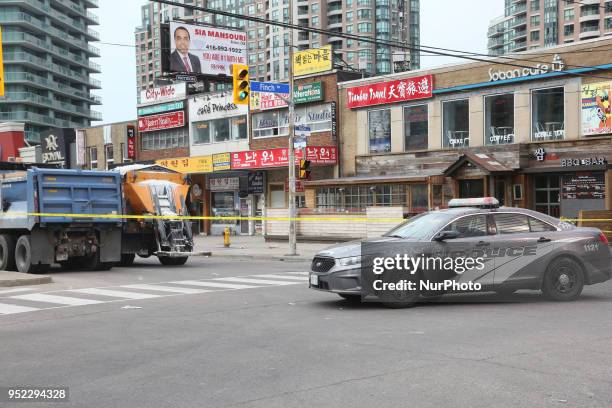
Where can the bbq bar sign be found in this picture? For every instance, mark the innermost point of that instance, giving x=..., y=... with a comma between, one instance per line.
x=401, y=90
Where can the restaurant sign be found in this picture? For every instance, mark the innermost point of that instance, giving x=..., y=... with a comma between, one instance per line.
x=400, y=90
x=256, y=159
x=557, y=65
x=160, y=122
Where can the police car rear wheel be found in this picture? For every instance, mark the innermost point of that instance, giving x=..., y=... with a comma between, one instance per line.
x=564, y=280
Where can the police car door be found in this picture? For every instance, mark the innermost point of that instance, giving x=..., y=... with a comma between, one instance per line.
x=518, y=248
x=472, y=242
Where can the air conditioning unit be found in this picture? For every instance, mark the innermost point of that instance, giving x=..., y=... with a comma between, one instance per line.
x=11, y=159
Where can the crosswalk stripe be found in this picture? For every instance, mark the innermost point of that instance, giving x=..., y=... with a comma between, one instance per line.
x=115, y=293
x=297, y=278
x=161, y=288
x=298, y=273
x=260, y=281
x=214, y=284
x=62, y=300
x=10, y=309
x=3, y=292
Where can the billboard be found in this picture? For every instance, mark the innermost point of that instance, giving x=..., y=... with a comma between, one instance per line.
x=400, y=90
x=596, y=115
x=160, y=122
x=196, y=49
x=312, y=61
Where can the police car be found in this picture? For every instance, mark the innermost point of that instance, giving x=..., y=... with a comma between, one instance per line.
x=523, y=249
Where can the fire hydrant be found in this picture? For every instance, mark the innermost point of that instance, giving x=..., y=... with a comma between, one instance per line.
x=226, y=237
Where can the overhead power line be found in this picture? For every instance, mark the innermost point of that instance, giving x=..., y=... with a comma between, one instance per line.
x=387, y=43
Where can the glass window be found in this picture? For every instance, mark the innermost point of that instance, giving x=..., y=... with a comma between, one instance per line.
x=536, y=225
x=419, y=198
x=535, y=35
x=277, y=196
x=379, y=130
x=499, y=119
x=535, y=21
x=456, y=123
x=568, y=14
x=415, y=127
x=471, y=226
x=511, y=223
x=548, y=114
x=568, y=30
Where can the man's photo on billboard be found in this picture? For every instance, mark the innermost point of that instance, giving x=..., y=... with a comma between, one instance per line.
x=180, y=59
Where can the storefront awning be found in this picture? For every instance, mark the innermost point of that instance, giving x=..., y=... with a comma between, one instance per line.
x=486, y=162
x=366, y=180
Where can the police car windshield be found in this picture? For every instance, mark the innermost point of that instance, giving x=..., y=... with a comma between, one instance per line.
x=421, y=226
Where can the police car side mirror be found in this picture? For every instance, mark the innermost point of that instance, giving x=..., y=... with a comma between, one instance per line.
x=444, y=235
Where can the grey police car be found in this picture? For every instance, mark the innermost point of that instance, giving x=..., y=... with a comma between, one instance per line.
x=524, y=249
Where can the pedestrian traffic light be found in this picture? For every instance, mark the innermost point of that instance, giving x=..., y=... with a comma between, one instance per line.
x=242, y=85
x=304, y=169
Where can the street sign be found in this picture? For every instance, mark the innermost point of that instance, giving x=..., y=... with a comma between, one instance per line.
x=299, y=143
x=269, y=87
x=302, y=131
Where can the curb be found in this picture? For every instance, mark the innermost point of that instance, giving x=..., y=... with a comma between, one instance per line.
x=282, y=258
x=9, y=279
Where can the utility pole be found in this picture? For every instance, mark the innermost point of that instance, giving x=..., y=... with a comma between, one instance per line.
x=292, y=208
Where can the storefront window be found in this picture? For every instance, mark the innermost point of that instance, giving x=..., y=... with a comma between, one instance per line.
x=276, y=123
x=277, y=196
x=379, y=130
x=358, y=198
x=419, y=200
x=456, y=123
x=548, y=114
x=220, y=130
x=415, y=127
x=499, y=119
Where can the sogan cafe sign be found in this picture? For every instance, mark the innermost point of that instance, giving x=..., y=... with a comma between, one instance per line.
x=557, y=65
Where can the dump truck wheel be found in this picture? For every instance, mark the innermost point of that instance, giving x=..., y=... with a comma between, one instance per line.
x=7, y=253
x=174, y=261
x=127, y=259
x=23, y=257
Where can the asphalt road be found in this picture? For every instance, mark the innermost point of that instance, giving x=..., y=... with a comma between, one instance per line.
x=283, y=345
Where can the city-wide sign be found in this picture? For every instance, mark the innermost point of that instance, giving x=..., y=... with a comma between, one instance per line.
x=163, y=94
x=160, y=122
x=400, y=90
x=204, y=50
x=312, y=61
x=279, y=157
x=165, y=107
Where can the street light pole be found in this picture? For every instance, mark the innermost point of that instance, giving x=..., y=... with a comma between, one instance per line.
x=292, y=207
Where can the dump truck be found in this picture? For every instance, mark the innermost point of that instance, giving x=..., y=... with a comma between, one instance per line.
x=40, y=222
x=159, y=194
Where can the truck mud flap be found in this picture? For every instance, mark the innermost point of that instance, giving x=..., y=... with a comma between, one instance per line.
x=110, y=245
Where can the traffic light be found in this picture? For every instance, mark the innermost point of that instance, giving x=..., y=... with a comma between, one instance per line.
x=242, y=86
x=304, y=169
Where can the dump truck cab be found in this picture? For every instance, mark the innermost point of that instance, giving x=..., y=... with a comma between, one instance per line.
x=154, y=202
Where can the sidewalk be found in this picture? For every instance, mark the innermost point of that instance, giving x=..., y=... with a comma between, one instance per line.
x=8, y=279
x=255, y=247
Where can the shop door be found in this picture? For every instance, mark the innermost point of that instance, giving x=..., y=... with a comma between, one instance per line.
x=500, y=191
x=245, y=211
x=547, y=188
x=471, y=188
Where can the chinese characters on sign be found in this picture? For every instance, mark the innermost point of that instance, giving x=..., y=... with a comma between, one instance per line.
x=389, y=92
x=131, y=142
x=224, y=184
x=202, y=164
x=312, y=61
x=280, y=157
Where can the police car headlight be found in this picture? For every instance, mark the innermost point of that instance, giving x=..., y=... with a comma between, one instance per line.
x=350, y=261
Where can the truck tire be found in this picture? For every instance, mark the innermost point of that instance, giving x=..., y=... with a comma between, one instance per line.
x=7, y=253
x=127, y=259
x=23, y=257
x=173, y=261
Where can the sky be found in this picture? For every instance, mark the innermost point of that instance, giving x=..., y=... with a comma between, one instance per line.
x=453, y=24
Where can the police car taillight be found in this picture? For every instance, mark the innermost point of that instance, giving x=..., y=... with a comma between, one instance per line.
x=603, y=238
x=483, y=202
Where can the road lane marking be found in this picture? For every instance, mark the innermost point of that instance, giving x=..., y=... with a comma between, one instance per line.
x=61, y=300
x=297, y=278
x=260, y=281
x=115, y=293
x=214, y=284
x=16, y=290
x=161, y=288
x=10, y=309
x=298, y=273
